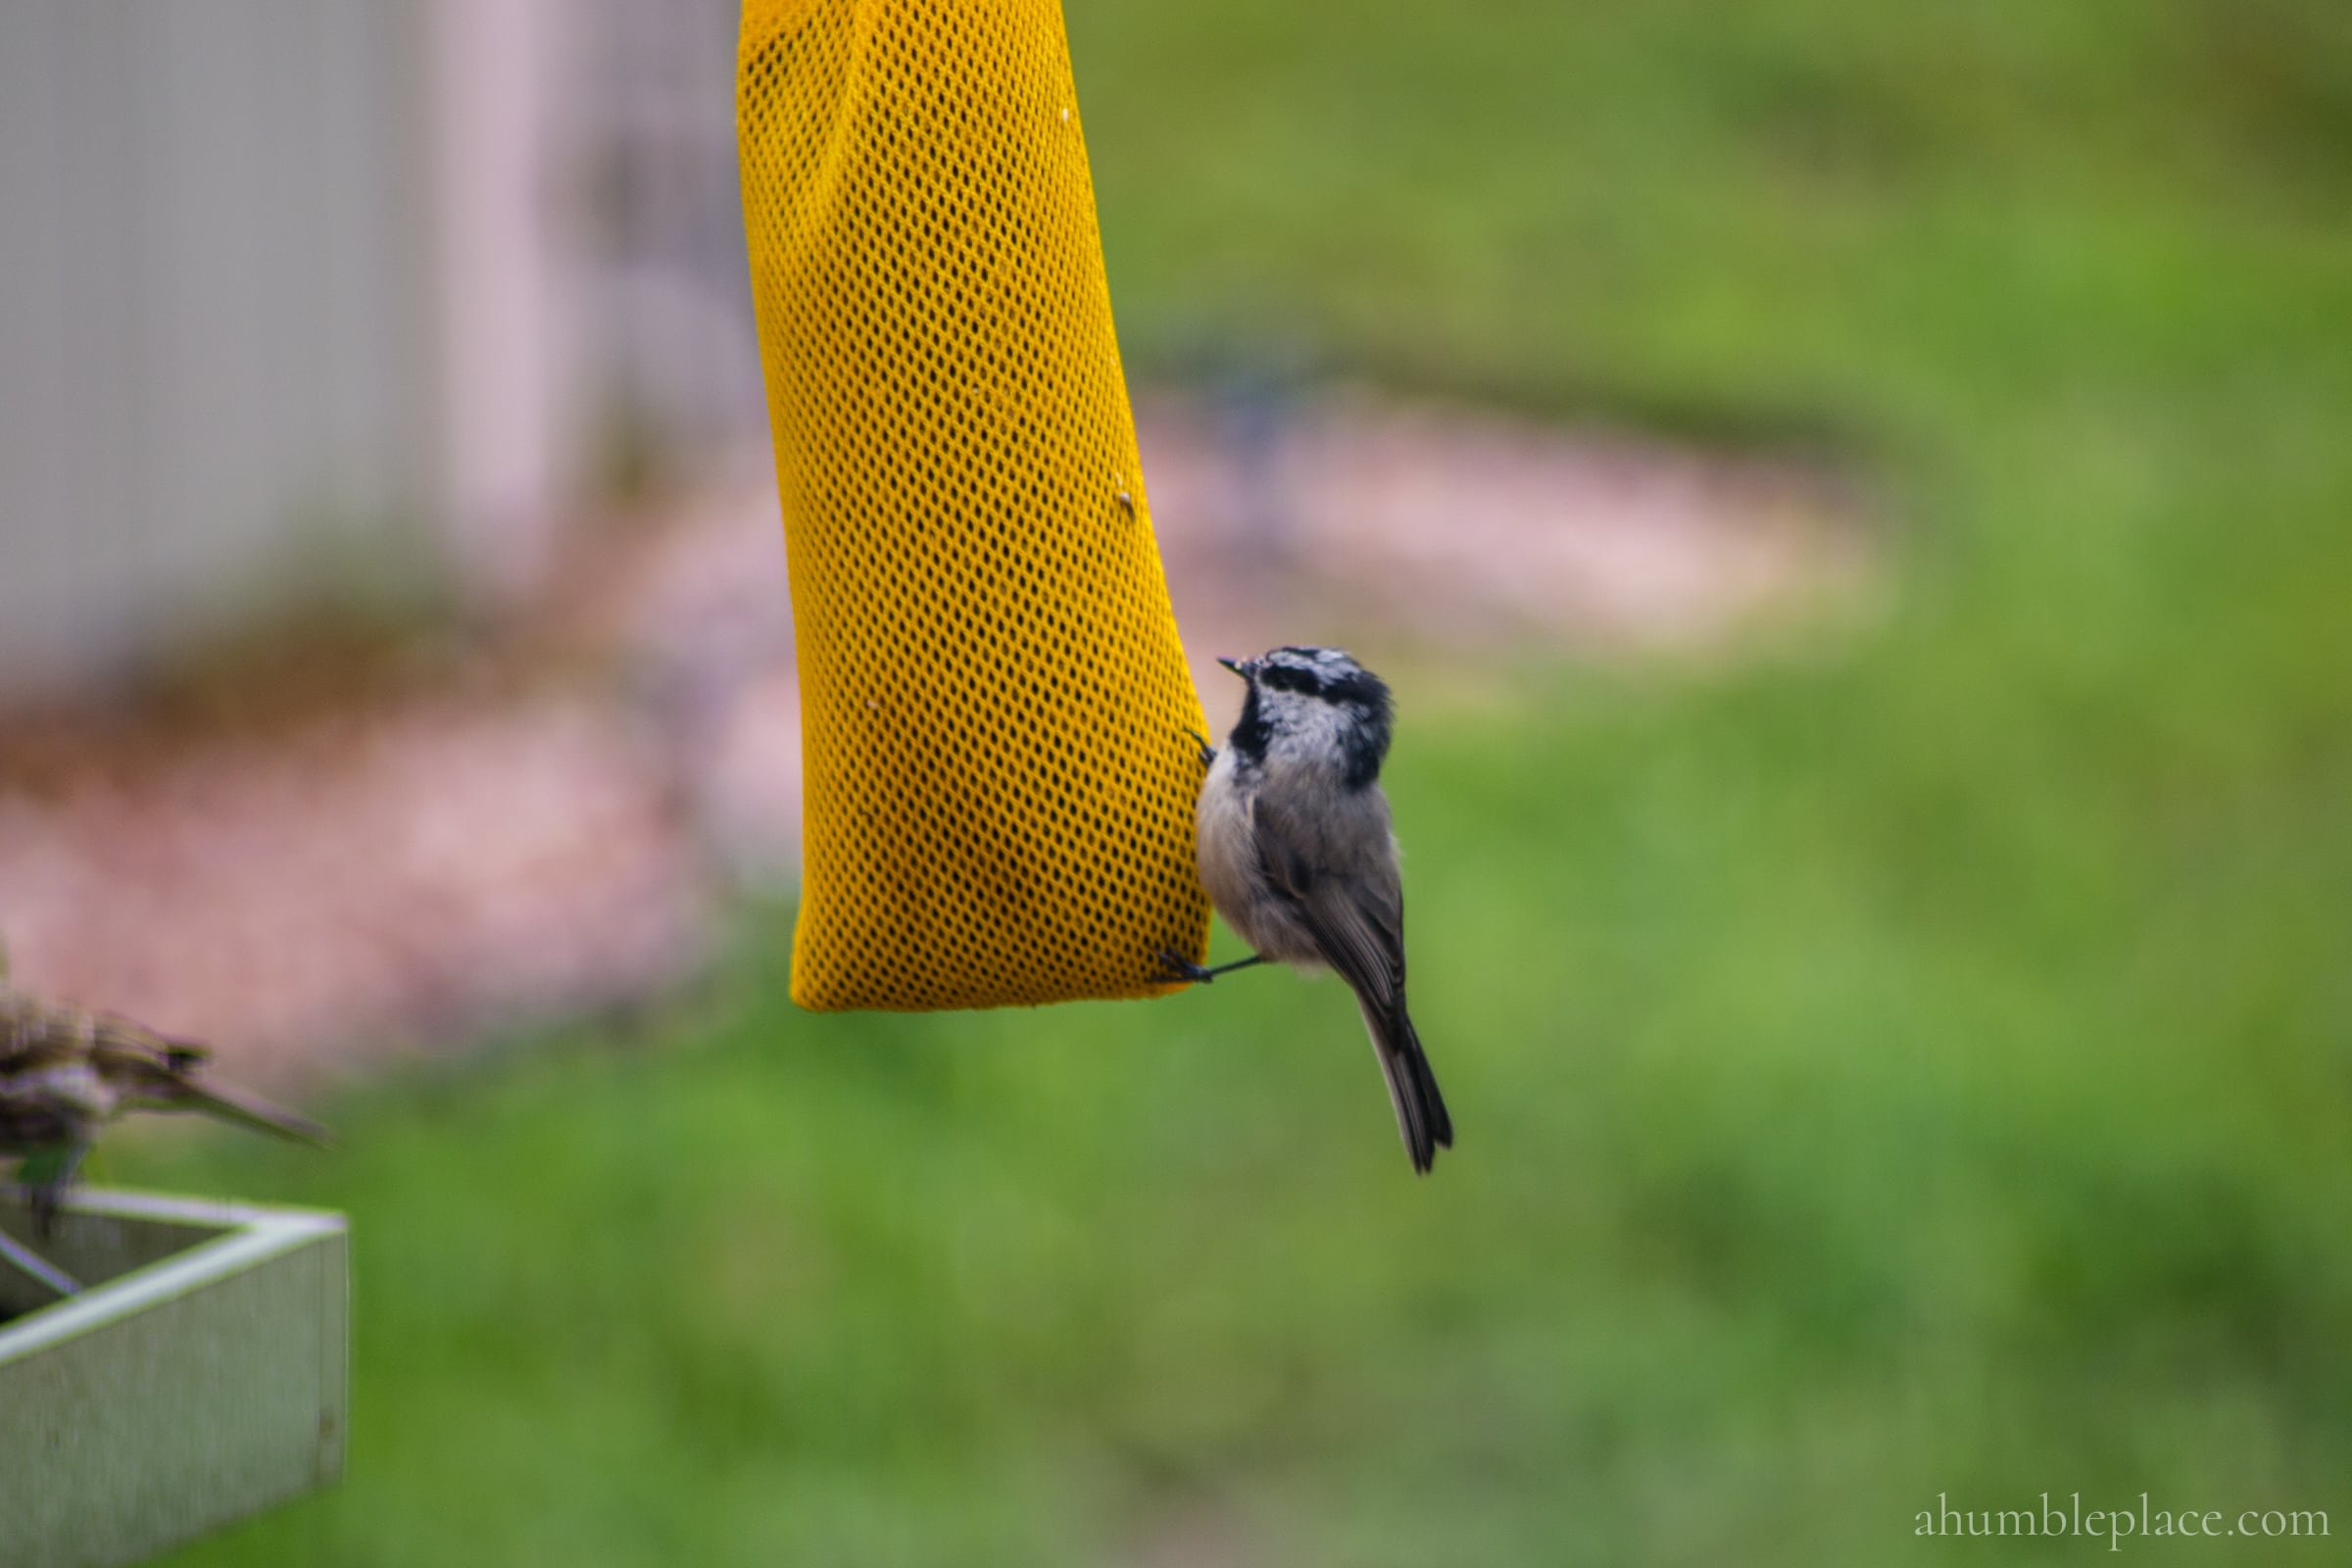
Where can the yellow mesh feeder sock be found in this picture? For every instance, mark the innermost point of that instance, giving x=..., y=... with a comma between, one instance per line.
x=999, y=783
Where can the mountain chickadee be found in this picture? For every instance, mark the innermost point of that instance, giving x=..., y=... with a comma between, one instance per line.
x=1292, y=835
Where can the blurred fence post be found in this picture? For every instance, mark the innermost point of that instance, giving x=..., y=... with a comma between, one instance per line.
x=499, y=280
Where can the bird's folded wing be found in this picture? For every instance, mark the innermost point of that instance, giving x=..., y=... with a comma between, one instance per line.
x=34, y=1035
x=1339, y=878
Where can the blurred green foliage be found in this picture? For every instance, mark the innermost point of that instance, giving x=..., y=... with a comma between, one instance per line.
x=1919, y=1064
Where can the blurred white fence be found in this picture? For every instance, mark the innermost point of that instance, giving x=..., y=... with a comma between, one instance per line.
x=297, y=287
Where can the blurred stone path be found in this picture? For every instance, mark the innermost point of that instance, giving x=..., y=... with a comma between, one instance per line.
x=558, y=830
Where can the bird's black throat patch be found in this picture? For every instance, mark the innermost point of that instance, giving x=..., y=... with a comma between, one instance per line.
x=1250, y=731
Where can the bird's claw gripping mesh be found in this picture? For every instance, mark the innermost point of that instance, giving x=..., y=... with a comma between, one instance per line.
x=999, y=783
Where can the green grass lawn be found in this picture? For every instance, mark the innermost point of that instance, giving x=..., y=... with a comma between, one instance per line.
x=1919, y=1062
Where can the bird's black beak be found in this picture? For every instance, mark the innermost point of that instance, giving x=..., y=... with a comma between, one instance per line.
x=1240, y=667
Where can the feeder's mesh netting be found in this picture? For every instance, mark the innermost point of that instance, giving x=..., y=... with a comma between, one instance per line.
x=998, y=784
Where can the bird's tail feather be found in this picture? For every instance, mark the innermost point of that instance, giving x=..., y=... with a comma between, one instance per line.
x=1421, y=1116
x=233, y=1105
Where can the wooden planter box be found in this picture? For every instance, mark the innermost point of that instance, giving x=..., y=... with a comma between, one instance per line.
x=199, y=1378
